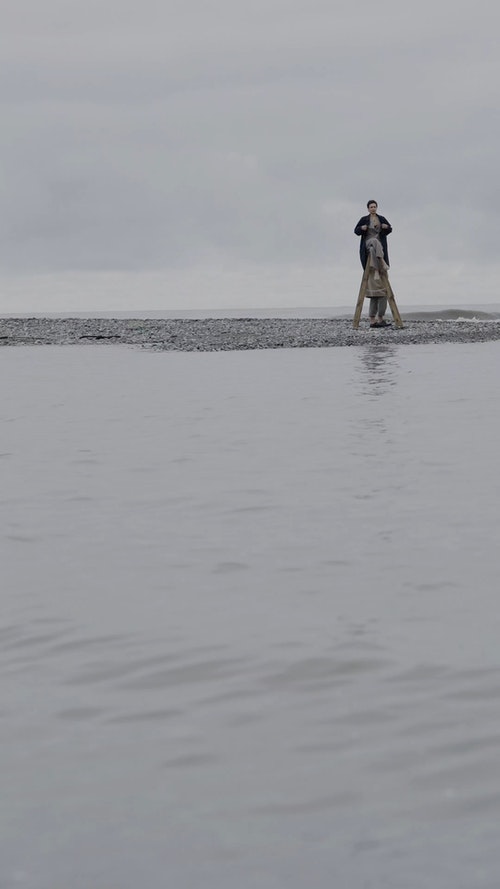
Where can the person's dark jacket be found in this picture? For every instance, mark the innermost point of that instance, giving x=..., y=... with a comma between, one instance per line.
x=363, y=253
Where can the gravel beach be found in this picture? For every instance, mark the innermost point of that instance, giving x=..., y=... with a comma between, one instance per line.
x=229, y=334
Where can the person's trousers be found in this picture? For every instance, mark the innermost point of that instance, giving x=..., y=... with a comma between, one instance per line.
x=378, y=306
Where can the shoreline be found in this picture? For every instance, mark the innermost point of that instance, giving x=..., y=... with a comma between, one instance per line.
x=236, y=334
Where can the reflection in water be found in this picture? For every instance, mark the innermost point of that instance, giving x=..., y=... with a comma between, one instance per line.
x=376, y=377
x=379, y=368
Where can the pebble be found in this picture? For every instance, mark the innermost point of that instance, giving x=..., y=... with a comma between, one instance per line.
x=232, y=334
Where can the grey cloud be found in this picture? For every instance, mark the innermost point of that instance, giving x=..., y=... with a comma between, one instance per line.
x=149, y=135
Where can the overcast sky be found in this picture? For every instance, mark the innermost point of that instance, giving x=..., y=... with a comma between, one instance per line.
x=148, y=140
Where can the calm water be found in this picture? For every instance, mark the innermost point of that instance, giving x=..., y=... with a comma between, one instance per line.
x=250, y=621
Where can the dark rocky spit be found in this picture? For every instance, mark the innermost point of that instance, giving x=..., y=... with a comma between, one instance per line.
x=232, y=334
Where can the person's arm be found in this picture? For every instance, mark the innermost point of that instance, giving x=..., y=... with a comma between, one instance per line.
x=385, y=226
x=361, y=227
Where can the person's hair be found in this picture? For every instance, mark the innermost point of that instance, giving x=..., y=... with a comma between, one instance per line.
x=371, y=202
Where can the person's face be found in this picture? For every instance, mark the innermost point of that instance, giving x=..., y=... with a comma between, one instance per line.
x=372, y=208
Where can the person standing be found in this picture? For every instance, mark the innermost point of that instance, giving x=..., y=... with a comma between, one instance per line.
x=373, y=230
